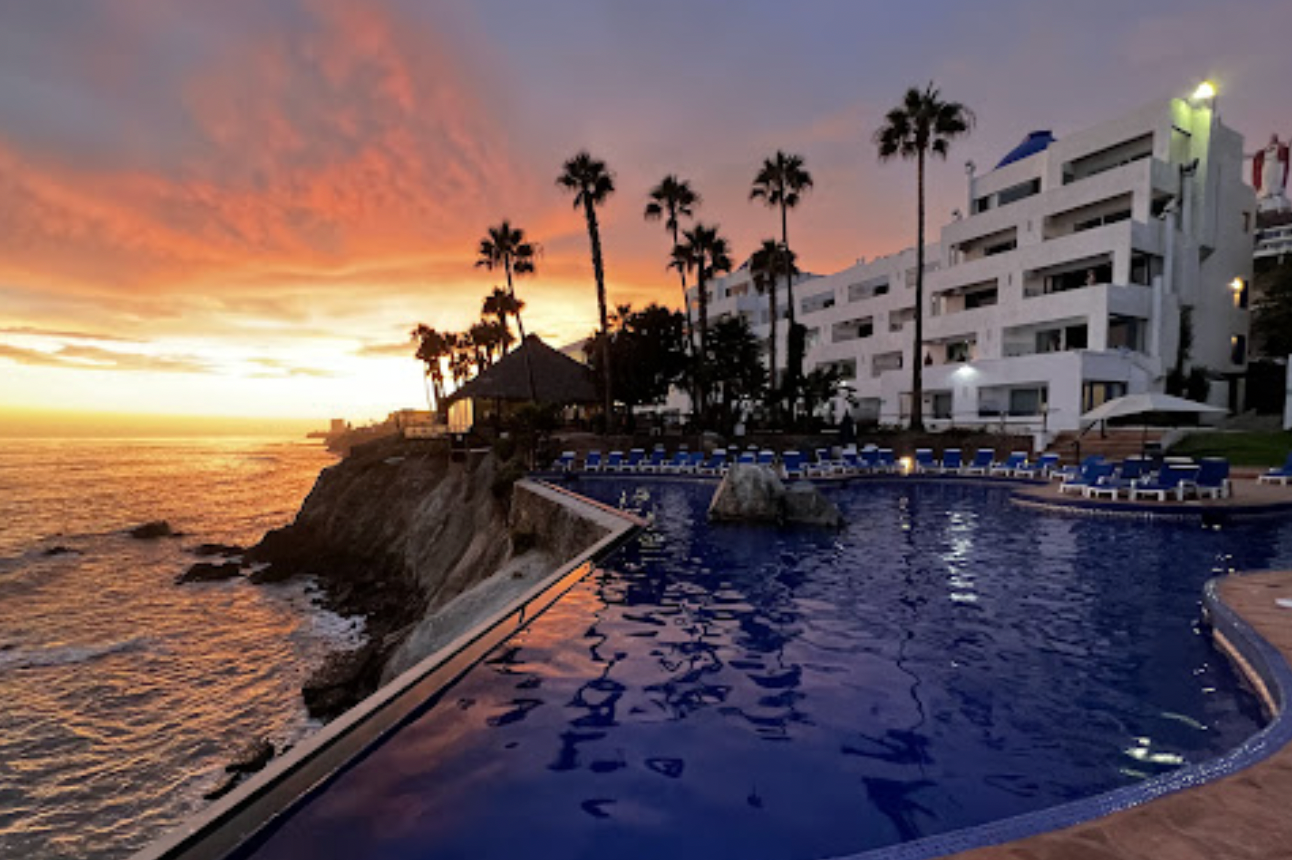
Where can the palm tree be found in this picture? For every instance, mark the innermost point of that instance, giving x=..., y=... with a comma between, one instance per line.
x=500, y=303
x=461, y=358
x=505, y=246
x=765, y=267
x=591, y=183
x=920, y=125
x=431, y=349
x=708, y=254
x=483, y=337
x=672, y=200
x=780, y=184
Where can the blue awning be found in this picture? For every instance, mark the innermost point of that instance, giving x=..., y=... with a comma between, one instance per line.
x=1035, y=142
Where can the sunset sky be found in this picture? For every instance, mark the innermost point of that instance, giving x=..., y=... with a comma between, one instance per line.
x=240, y=208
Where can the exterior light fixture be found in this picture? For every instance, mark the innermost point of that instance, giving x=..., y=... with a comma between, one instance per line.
x=1236, y=285
x=1206, y=90
x=907, y=465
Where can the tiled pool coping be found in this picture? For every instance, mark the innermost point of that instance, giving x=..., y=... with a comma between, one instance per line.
x=231, y=821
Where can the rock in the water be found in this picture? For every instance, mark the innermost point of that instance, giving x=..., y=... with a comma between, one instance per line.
x=344, y=679
x=253, y=757
x=153, y=530
x=205, y=571
x=748, y=493
x=224, y=550
x=805, y=505
x=61, y=550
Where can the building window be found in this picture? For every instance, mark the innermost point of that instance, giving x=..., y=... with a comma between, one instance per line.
x=959, y=351
x=1098, y=393
x=1247, y=222
x=1027, y=401
x=1238, y=349
x=942, y=404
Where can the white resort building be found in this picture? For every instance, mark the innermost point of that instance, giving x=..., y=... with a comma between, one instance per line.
x=1063, y=284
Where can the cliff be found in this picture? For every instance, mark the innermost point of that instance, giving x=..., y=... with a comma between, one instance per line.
x=402, y=533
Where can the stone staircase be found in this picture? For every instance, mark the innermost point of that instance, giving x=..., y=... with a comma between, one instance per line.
x=1115, y=444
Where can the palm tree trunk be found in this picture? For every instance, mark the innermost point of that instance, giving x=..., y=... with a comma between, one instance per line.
x=701, y=363
x=426, y=383
x=690, y=328
x=792, y=367
x=598, y=271
x=520, y=328
x=917, y=356
x=771, y=346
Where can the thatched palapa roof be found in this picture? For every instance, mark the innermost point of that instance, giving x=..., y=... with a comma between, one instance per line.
x=557, y=378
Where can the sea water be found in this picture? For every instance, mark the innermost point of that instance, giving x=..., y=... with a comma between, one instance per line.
x=125, y=694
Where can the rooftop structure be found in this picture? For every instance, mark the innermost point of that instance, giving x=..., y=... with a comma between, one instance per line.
x=1068, y=282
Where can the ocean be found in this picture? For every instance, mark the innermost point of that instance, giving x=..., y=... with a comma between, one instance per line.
x=124, y=694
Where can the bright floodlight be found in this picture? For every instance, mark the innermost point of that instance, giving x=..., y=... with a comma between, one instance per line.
x=1236, y=285
x=1206, y=90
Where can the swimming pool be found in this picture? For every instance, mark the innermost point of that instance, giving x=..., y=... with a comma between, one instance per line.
x=728, y=691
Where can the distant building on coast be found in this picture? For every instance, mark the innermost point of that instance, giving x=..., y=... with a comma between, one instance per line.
x=1068, y=280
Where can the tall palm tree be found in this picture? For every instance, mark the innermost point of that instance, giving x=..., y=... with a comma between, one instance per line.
x=921, y=125
x=461, y=358
x=671, y=200
x=765, y=267
x=506, y=247
x=780, y=184
x=432, y=346
x=501, y=303
x=704, y=251
x=591, y=183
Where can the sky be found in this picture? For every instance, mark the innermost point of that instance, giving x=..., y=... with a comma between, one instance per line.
x=242, y=208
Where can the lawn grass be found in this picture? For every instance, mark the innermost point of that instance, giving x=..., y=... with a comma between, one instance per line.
x=1241, y=449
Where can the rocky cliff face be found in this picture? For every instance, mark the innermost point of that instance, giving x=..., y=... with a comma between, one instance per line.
x=391, y=532
x=396, y=532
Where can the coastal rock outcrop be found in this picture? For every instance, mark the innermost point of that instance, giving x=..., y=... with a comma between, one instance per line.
x=153, y=530
x=205, y=571
x=752, y=493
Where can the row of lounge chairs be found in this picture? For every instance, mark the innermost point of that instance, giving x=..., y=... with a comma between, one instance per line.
x=1136, y=478
x=849, y=460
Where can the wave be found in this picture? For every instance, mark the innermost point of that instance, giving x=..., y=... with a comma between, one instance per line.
x=12, y=657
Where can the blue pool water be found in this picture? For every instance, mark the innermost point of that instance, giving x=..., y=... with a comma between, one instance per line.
x=728, y=691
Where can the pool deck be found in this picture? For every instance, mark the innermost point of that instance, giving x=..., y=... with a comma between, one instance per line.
x=1245, y=815
x=1248, y=498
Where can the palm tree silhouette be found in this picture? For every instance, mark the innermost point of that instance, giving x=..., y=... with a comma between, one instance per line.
x=671, y=200
x=432, y=347
x=591, y=183
x=765, y=266
x=920, y=125
x=506, y=247
x=500, y=304
x=706, y=253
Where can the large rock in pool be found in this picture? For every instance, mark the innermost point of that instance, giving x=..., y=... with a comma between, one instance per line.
x=805, y=504
x=748, y=493
x=752, y=493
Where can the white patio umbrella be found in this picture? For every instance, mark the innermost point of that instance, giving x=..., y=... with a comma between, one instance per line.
x=1144, y=404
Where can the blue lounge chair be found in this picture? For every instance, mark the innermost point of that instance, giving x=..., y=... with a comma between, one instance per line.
x=1063, y=473
x=1213, y=478
x=1174, y=478
x=678, y=464
x=564, y=463
x=1123, y=478
x=635, y=458
x=615, y=462
x=694, y=462
x=823, y=466
x=747, y=457
x=655, y=462
x=1090, y=476
x=766, y=458
x=1280, y=475
x=868, y=459
x=885, y=461
x=716, y=464
x=1040, y=469
x=924, y=461
x=592, y=463
x=792, y=464
x=1014, y=461
x=982, y=460
x=951, y=460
